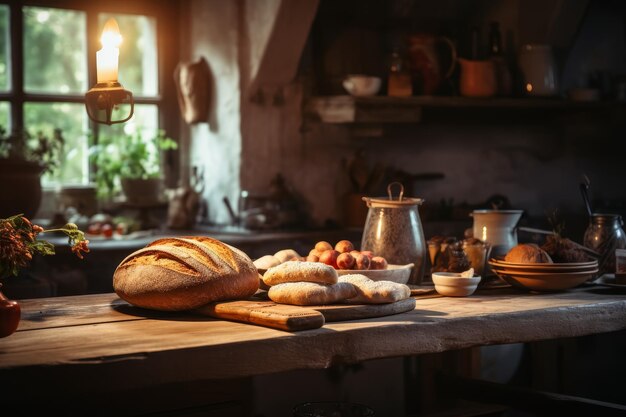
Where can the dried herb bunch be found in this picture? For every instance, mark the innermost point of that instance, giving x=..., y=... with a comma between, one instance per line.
x=18, y=243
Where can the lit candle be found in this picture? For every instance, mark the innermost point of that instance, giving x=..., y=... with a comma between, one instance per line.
x=107, y=58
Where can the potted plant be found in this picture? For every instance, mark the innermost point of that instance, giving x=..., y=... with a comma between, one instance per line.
x=129, y=163
x=23, y=159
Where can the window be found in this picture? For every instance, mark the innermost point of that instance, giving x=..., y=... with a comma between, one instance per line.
x=47, y=64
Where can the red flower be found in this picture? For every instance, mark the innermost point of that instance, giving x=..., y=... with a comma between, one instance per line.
x=80, y=247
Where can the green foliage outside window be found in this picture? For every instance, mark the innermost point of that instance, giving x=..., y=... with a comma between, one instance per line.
x=55, y=50
x=127, y=156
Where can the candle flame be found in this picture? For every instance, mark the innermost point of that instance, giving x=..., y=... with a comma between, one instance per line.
x=111, y=36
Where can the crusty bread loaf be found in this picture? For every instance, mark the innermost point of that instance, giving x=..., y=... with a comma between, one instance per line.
x=527, y=253
x=310, y=293
x=296, y=271
x=184, y=273
x=375, y=292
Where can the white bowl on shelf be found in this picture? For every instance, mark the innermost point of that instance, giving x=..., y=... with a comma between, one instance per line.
x=452, y=284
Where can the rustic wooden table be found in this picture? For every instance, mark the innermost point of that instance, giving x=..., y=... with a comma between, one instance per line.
x=99, y=344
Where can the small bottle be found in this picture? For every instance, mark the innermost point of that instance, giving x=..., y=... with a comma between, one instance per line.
x=496, y=54
x=495, y=40
x=399, y=83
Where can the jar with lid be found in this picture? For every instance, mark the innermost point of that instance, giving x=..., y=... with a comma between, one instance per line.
x=604, y=235
x=393, y=230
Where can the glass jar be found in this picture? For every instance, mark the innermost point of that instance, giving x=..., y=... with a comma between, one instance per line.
x=393, y=230
x=604, y=235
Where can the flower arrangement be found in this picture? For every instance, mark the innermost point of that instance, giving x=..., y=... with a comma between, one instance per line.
x=18, y=243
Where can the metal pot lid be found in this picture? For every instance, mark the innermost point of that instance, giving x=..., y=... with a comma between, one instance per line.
x=391, y=201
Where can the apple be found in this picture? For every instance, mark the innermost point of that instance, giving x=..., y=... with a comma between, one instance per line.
x=345, y=261
x=322, y=246
x=107, y=230
x=94, y=229
x=329, y=257
x=9, y=316
x=344, y=246
x=378, y=262
x=312, y=258
x=362, y=262
x=368, y=253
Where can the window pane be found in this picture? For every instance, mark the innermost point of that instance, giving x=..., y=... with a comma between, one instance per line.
x=55, y=51
x=138, y=53
x=4, y=48
x=71, y=118
x=145, y=120
x=5, y=115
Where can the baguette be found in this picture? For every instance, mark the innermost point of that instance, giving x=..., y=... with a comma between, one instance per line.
x=310, y=293
x=297, y=271
x=174, y=274
x=375, y=292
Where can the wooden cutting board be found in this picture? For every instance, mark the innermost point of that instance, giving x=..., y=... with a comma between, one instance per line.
x=294, y=318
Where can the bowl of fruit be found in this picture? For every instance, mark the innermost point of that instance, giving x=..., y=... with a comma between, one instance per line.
x=345, y=259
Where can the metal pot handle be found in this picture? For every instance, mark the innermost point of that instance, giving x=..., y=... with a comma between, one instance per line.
x=389, y=193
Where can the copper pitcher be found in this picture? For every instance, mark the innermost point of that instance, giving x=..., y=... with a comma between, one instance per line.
x=425, y=61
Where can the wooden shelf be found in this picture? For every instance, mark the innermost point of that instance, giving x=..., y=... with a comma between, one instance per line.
x=381, y=109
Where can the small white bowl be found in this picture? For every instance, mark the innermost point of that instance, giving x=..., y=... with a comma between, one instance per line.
x=362, y=85
x=451, y=284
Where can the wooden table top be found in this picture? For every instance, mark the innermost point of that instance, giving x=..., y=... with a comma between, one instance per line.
x=92, y=339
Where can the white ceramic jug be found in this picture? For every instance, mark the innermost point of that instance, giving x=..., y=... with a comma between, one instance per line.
x=498, y=228
x=539, y=70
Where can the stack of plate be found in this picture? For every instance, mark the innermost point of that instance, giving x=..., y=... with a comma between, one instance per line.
x=544, y=276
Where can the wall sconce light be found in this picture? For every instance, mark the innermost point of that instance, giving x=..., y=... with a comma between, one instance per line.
x=108, y=94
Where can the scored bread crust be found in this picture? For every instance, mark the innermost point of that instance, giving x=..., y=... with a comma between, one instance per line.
x=297, y=271
x=182, y=273
x=310, y=293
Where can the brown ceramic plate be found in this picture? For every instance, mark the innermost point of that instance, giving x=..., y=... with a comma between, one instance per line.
x=569, y=266
x=545, y=281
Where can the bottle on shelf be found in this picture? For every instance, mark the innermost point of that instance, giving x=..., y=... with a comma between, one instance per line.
x=399, y=82
x=496, y=54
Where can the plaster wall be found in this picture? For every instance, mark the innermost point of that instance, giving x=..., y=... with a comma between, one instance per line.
x=216, y=147
x=253, y=138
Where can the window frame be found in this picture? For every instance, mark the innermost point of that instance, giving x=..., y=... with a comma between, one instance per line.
x=166, y=15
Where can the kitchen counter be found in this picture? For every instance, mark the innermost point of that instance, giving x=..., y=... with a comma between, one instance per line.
x=99, y=344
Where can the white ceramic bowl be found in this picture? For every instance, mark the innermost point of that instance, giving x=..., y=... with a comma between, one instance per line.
x=451, y=284
x=395, y=273
x=362, y=85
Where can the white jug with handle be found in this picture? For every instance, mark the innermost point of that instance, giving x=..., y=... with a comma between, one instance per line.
x=498, y=228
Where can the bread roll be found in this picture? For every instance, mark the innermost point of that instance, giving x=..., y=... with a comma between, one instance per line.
x=375, y=292
x=525, y=253
x=310, y=293
x=296, y=271
x=287, y=255
x=184, y=273
x=266, y=262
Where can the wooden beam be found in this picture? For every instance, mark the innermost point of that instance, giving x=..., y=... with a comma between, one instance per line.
x=281, y=57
